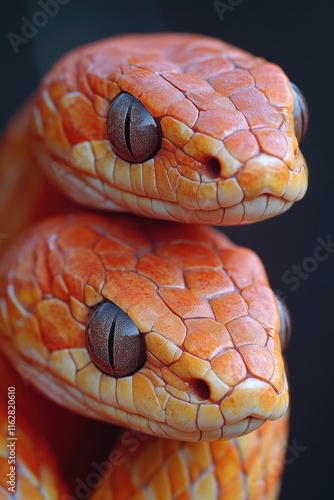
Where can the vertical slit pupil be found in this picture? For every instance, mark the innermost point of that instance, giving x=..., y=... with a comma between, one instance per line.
x=111, y=342
x=127, y=128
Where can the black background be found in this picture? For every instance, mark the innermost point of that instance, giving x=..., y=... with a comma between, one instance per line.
x=299, y=37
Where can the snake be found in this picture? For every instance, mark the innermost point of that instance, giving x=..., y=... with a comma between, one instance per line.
x=136, y=312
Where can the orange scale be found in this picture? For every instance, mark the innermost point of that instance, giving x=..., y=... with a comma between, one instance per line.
x=129, y=233
x=219, y=124
x=167, y=154
x=186, y=303
x=55, y=261
x=177, y=473
x=92, y=297
x=277, y=379
x=42, y=271
x=187, y=255
x=272, y=141
x=246, y=331
x=263, y=116
x=56, y=90
x=27, y=292
x=46, y=108
x=65, y=332
x=150, y=88
x=274, y=83
x=229, y=307
x=250, y=98
x=205, y=337
x=184, y=159
x=231, y=81
x=128, y=289
x=55, y=139
x=252, y=269
x=209, y=100
x=155, y=63
x=210, y=67
x=171, y=327
x=231, y=481
x=81, y=122
x=259, y=361
x=81, y=265
x=264, y=174
x=97, y=81
x=208, y=283
x=84, y=87
x=230, y=367
x=185, y=111
x=242, y=145
x=262, y=305
x=189, y=173
x=185, y=82
x=119, y=261
x=78, y=236
x=25, y=267
x=145, y=313
x=162, y=272
x=164, y=185
x=108, y=245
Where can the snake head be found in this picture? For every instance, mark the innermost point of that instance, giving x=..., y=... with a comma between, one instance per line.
x=172, y=126
x=202, y=355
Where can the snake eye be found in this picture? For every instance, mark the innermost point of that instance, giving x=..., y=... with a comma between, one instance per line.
x=300, y=113
x=114, y=342
x=285, y=324
x=132, y=130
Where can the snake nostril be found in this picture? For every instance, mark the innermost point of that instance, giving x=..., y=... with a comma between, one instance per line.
x=200, y=388
x=212, y=169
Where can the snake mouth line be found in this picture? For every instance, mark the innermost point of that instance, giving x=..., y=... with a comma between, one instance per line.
x=65, y=393
x=105, y=197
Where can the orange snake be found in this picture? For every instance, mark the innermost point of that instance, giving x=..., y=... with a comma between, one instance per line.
x=178, y=127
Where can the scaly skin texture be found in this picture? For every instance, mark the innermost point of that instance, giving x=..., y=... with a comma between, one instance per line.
x=229, y=154
x=248, y=467
x=202, y=303
x=207, y=313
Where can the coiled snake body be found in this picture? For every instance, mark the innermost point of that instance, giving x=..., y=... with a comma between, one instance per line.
x=166, y=328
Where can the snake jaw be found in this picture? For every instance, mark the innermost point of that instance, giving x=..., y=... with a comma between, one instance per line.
x=228, y=155
x=214, y=367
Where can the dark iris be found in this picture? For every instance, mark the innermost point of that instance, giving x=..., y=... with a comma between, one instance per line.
x=114, y=342
x=132, y=130
x=300, y=113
